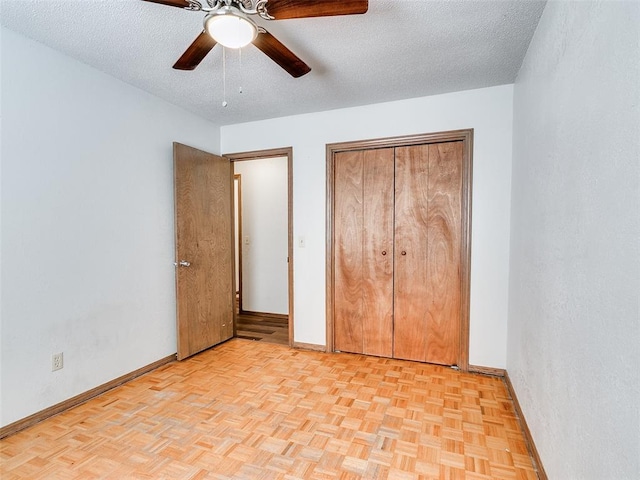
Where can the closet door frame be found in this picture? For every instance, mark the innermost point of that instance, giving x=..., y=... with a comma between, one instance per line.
x=466, y=137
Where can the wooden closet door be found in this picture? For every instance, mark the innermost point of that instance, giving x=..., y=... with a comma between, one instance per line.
x=363, y=246
x=427, y=244
x=348, y=234
x=444, y=237
x=377, y=273
x=410, y=262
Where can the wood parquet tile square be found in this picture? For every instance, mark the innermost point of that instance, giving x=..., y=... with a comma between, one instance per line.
x=249, y=411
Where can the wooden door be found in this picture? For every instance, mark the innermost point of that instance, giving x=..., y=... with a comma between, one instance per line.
x=428, y=235
x=410, y=261
x=363, y=294
x=204, y=249
x=431, y=253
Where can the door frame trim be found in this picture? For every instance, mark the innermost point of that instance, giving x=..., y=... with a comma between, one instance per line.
x=272, y=153
x=466, y=137
x=238, y=245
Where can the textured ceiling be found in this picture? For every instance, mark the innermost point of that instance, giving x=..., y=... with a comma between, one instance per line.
x=398, y=49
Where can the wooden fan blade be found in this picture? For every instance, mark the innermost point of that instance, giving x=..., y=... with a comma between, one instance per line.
x=196, y=52
x=280, y=54
x=171, y=3
x=282, y=9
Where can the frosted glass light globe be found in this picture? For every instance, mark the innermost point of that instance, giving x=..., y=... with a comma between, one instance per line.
x=230, y=30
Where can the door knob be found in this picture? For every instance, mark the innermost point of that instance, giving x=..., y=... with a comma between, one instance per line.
x=182, y=263
x=403, y=253
x=384, y=252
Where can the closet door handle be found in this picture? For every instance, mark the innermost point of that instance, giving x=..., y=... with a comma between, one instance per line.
x=403, y=252
x=384, y=252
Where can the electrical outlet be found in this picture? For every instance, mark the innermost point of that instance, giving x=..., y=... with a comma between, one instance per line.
x=57, y=362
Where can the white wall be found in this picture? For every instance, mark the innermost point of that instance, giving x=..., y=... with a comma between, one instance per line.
x=265, y=226
x=87, y=225
x=488, y=111
x=574, y=321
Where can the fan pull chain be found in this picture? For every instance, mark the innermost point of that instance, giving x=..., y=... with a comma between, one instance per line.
x=240, y=57
x=224, y=77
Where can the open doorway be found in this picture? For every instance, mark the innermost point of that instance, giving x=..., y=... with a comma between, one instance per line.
x=263, y=244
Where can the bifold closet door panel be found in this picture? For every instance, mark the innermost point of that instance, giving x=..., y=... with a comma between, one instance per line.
x=363, y=250
x=410, y=261
x=427, y=263
x=444, y=237
x=378, y=253
x=348, y=251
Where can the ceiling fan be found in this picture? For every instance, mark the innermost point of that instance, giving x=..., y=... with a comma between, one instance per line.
x=229, y=23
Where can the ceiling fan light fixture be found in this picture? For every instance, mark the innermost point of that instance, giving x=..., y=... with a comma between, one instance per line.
x=230, y=28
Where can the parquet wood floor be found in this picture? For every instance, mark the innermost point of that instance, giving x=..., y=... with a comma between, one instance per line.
x=251, y=410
